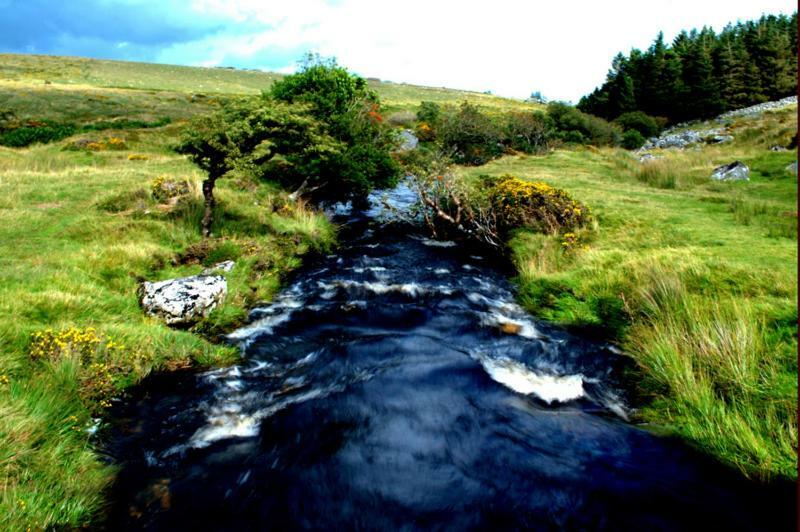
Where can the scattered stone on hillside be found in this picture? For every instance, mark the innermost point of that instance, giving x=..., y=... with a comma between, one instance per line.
x=408, y=140
x=760, y=108
x=224, y=266
x=682, y=135
x=681, y=139
x=792, y=168
x=183, y=301
x=648, y=157
x=735, y=171
x=719, y=139
x=777, y=148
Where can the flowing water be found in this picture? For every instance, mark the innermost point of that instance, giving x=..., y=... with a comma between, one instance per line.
x=397, y=385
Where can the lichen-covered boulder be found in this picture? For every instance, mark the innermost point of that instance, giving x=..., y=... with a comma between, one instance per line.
x=735, y=171
x=182, y=301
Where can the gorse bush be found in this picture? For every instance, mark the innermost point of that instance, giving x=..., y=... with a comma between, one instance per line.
x=538, y=206
x=95, y=355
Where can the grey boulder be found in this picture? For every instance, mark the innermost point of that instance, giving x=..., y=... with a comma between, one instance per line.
x=735, y=171
x=182, y=301
x=408, y=140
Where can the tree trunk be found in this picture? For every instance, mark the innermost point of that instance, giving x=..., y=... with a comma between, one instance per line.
x=208, y=213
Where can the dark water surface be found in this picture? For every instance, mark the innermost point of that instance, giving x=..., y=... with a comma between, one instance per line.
x=397, y=385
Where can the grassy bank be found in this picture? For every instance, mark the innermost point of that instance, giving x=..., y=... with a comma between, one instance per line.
x=696, y=279
x=79, y=229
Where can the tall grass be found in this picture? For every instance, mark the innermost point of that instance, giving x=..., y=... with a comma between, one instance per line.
x=726, y=378
x=695, y=279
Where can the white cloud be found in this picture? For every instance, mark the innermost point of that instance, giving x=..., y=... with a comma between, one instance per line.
x=562, y=49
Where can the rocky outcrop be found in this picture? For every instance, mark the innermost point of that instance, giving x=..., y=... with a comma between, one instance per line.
x=183, y=301
x=682, y=139
x=682, y=135
x=735, y=171
x=760, y=108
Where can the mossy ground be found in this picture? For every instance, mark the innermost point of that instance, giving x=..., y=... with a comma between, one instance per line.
x=696, y=279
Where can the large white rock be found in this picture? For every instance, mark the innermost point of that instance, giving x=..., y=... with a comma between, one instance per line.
x=735, y=171
x=185, y=300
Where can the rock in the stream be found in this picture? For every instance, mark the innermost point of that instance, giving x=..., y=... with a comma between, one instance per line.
x=224, y=266
x=735, y=171
x=183, y=301
x=408, y=140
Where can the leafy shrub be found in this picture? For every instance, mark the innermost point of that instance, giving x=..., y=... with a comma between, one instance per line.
x=646, y=125
x=537, y=206
x=429, y=112
x=36, y=131
x=472, y=136
x=632, y=140
x=329, y=88
x=572, y=125
x=527, y=132
x=350, y=113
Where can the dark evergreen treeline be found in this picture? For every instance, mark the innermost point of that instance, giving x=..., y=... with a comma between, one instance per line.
x=702, y=74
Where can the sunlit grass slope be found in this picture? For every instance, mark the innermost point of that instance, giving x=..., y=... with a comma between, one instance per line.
x=81, y=72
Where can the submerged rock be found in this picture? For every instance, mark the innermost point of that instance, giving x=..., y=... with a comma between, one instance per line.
x=183, y=301
x=735, y=171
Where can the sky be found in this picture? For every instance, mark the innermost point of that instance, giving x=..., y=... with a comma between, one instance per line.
x=561, y=48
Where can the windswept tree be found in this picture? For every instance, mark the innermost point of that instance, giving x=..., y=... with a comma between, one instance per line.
x=318, y=132
x=264, y=138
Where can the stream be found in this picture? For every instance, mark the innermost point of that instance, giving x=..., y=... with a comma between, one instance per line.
x=397, y=385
